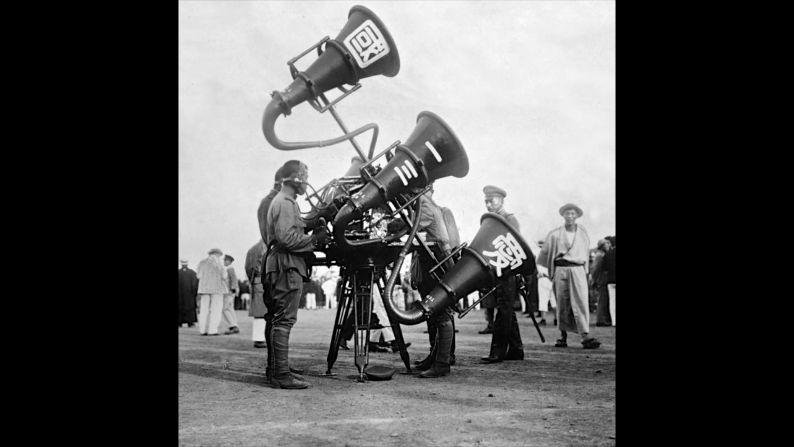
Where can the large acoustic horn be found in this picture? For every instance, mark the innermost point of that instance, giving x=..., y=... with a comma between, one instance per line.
x=431, y=152
x=497, y=252
x=362, y=49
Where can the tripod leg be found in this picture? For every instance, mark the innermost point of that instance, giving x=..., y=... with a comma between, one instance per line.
x=342, y=309
x=398, y=332
x=363, y=300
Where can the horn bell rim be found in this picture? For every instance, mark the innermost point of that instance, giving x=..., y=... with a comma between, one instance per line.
x=464, y=159
x=395, y=55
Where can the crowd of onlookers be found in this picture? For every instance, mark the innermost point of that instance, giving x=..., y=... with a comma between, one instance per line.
x=320, y=292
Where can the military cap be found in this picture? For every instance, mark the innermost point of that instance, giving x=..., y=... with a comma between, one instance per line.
x=215, y=251
x=491, y=190
x=569, y=206
x=183, y=261
x=228, y=258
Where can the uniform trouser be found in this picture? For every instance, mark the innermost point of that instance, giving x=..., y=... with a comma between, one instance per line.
x=570, y=288
x=531, y=299
x=285, y=290
x=229, y=317
x=602, y=311
x=443, y=345
x=506, y=336
x=210, y=312
x=489, y=316
x=611, y=290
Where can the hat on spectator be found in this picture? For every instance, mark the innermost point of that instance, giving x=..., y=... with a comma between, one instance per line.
x=183, y=261
x=571, y=206
x=215, y=251
x=491, y=190
x=228, y=258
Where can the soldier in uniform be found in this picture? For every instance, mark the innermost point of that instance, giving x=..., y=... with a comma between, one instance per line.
x=440, y=328
x=285, y=268
x=506, y=340
x=261, y=306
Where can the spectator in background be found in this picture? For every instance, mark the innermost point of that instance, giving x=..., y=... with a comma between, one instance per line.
x=565, y=254
x=609, y=265
x=245, y=295
x=598, y=282
x=213, y=279
x=258, y=309
x=229, y=316
x=188, y=289
x=329, y=289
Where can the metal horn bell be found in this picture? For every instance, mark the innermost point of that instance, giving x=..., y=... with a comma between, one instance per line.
x=497, y=252
x=363, y=48
x=431, y=152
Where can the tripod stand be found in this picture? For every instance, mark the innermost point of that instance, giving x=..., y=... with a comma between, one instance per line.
x=354, y=290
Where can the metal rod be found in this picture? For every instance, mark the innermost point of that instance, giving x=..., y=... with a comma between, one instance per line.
x=339, y=121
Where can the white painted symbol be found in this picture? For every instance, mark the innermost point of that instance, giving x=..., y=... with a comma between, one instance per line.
x=433, y=150
x=366, y=44
x=406, y=172
x=508, y=253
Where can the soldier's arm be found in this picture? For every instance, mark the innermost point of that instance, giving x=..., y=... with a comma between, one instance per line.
x=288, y=233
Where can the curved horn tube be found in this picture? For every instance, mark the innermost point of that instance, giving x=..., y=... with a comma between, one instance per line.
x=415, y=315
x=278, y=105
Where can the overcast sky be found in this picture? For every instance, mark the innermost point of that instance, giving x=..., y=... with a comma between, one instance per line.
x=528, y=87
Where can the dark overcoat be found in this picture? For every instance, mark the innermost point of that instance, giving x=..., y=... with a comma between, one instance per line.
x=188, y=289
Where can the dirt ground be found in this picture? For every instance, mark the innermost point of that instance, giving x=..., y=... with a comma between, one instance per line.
x=555, y=397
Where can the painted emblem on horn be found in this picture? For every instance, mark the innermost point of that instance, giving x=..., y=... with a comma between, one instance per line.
x=508, y=253
x=367, y=44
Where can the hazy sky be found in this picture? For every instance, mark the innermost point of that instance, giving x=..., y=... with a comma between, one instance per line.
x=528, y=87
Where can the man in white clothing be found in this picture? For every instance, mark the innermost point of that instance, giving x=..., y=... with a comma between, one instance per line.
x=212, y=278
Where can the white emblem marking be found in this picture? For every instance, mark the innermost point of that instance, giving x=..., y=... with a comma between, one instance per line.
x=411, y=167
x=366, y=44
x=508, y=253
x=433, y=150
x=400, y=173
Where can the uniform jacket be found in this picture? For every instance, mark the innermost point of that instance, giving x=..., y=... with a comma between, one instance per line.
x=286, y=228
x=261, y=213
x=556, y=245
x=211, y=273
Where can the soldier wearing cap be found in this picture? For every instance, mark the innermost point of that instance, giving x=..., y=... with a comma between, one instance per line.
x=285, y=267
x=506, y=341
x=188, y=289
x=565, y=253
x=229, y=317
x=212, y=286
x=261, y=306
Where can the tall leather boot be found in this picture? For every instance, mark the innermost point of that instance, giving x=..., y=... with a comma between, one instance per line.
x=270, y=354
x=425, y=364
x=282, y=377
x=443, y=345
x=452, y=349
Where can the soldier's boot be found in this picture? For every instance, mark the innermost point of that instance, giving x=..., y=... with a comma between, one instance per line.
x=270, y=354
x=452, y=349
x=282, y=377
x=443, y=345
x=427, y=362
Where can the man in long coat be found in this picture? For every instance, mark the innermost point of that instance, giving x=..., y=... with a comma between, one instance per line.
x=188, y=289
x=565, y=253
x=257, y=310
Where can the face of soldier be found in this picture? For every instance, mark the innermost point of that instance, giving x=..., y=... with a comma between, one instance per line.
x=493, y=203
x=303, y=175
x=570, y=216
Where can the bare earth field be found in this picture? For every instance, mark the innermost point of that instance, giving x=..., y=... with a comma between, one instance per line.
x=555, y=397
